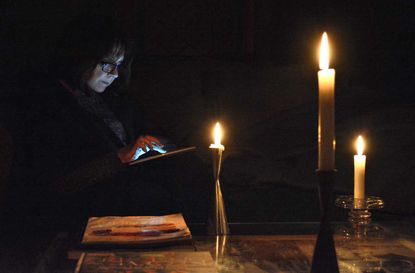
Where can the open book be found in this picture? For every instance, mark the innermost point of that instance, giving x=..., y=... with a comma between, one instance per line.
x=135, y=230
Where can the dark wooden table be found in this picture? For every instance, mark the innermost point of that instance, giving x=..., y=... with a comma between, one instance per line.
x=251, y=248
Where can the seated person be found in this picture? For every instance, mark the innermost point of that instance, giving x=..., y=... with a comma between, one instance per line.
x=77, y=134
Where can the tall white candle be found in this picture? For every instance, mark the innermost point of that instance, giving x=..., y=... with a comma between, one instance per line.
x=359, y=170
x=326, y=139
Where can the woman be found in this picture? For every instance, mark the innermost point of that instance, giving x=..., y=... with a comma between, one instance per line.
x=94, y=72
x=79, y=133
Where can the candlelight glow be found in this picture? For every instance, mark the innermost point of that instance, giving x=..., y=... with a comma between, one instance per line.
x=360, y=145
x=324, y=52
x=217, y=134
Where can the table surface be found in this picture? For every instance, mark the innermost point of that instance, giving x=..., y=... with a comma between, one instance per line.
x=251, y=247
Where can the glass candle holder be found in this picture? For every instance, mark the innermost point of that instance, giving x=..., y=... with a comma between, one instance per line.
x=360, y=217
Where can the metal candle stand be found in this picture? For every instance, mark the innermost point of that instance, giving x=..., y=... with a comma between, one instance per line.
x=217, y=222
x=360, y=216
x=324, y=257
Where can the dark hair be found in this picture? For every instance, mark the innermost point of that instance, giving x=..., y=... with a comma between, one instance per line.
x=85, y=42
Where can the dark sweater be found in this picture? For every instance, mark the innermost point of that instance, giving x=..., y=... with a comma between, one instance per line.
x=67, y=154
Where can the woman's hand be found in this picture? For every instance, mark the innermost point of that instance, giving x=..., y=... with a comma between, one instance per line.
x=142, y=145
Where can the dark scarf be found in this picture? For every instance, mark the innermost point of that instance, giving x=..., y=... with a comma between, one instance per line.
x=95, y=104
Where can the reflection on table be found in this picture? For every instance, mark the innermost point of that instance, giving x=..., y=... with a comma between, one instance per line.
x=274, y=253
x=383, y=252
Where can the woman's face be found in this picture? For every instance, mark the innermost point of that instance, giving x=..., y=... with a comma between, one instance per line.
x=104, y=73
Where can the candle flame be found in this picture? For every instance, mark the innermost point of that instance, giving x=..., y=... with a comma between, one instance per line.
x=324, y=52
x=360, y=145
x=217, y=134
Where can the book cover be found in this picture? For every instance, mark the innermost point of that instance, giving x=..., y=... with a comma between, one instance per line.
x=135, y=230
x=160, y=262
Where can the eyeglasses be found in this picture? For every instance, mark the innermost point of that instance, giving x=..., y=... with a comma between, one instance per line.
x=109, y=67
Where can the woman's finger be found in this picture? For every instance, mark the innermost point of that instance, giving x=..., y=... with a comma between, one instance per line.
x=154, y=140
x=144, y=144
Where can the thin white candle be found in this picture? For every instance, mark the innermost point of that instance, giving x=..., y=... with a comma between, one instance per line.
x=359, y=170
x=218, y=222
x=326, y=139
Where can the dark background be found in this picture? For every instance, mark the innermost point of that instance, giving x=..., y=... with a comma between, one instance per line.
x=253, y=65
x=372, y=41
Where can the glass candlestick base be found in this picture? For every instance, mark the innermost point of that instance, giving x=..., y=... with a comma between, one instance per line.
x=360, y=217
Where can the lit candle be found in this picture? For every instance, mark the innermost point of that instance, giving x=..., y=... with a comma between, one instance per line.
x=359, y=170
x=326, y=140
x=217, y=137
x=218, y=223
